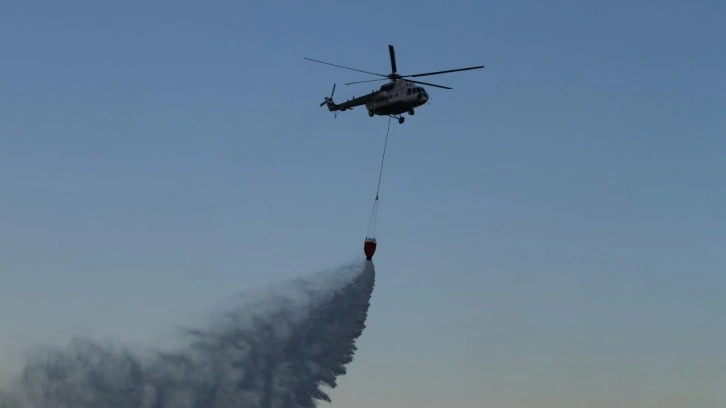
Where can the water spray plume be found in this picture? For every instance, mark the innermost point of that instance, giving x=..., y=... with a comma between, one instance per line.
x=276, y=354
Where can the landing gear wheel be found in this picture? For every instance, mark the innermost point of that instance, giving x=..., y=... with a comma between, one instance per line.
x=401, y=119
x=370, y=113
x=411, y=112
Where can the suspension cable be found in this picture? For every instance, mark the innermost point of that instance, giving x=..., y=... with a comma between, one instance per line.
x=374, y=212
x=385, y=144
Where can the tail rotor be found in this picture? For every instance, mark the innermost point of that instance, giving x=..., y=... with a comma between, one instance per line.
x=330, y=98
x=329, y=101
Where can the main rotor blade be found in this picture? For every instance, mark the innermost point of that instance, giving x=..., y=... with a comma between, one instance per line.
x=340, y=66
x=441, y=72
x=370, y=80
x=427, y=83
x=392, y=53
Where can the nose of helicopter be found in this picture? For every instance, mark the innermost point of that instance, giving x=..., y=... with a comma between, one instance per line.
x=424, y=97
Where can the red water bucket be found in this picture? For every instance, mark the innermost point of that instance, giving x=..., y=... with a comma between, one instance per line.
x=369, y=247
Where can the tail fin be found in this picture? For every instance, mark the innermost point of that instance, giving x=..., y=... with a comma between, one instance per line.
x=332, y=106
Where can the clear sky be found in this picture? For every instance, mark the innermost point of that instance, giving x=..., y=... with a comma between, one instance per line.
x=551, y=231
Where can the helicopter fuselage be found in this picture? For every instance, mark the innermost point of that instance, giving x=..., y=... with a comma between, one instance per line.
x=393, y=98
x=396, y=98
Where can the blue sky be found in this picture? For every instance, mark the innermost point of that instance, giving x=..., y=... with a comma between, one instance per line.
x=551, y=230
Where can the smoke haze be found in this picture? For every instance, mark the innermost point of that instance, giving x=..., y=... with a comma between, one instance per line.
x=276, y=352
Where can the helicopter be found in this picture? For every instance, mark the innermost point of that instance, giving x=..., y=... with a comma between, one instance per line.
x=392, y=99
